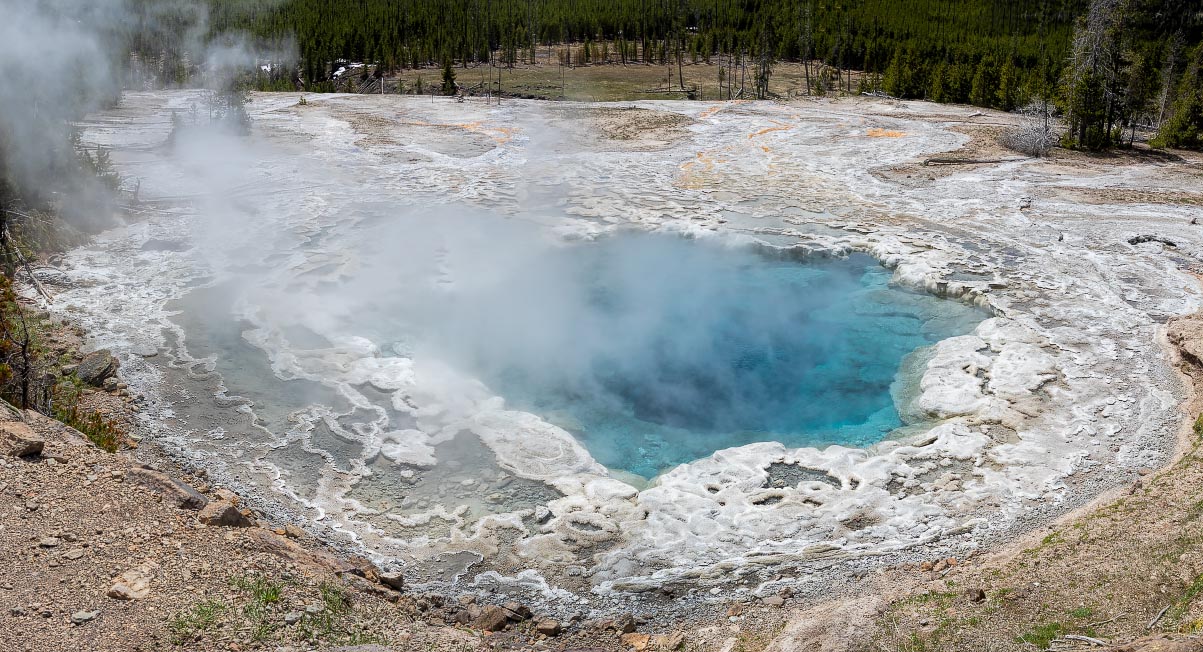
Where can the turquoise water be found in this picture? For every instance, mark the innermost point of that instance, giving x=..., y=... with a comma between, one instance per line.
x=656, y=350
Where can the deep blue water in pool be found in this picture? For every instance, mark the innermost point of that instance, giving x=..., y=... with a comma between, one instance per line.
x=656, y=350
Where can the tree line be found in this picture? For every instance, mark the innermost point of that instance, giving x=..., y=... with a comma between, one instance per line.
x=1111, y=66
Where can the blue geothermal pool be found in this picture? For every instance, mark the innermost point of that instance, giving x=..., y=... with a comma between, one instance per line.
x=657, y=350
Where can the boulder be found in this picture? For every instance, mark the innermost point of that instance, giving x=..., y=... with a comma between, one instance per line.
x=548, y=627
x=181, y=494
x=517, y=612
x=491, y=619
x=359, y=566
x=17, y=439
x=96, y=367
x=223, y=514
x=467, y=615
x=395, y=581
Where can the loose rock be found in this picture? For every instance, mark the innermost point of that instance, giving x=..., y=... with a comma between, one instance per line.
x=180, y=493
x=81, y=617
x=394, y=581
x=96, y=367
x=132, y=584
x=17, y=439
x=222, y=514
x=491, y=619
x=548, y=627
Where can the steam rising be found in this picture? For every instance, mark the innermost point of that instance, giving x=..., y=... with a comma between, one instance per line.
x=66, y=58
x=59, y=61
x=651, y=348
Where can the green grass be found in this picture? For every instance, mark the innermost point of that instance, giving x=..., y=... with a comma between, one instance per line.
x=329, y=625
x=193, y=623
x=1081, y=612
x=914, y=644
x=942, y=599
x=1042, y=635
x=264, y=593
x=262, y=590
x=1182, y=604
x=1051, y=539
x=260, y=606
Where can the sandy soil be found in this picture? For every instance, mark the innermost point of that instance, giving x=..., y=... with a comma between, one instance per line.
x=79, y=523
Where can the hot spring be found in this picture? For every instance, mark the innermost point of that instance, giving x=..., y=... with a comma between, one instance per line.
x=652, y=350
x=655, y=350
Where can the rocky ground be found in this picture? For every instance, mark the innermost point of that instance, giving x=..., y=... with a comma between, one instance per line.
x=103, y=553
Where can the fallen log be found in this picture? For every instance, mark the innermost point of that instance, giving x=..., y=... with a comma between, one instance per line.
x=971, y=161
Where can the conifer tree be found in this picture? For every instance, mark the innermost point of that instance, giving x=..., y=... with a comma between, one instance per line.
x=1185, y=126
x=449, y=87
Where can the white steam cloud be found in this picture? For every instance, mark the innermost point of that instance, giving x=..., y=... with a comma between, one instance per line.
x=66, y=58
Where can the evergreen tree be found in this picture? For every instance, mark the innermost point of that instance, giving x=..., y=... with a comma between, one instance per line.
x=1010, y=92
x=984, y=89
x=938, y=90
x=449, y=87
x=1185, y=126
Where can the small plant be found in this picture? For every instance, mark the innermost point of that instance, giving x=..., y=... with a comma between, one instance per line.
x=100, y=430
x=1182, y=605
x=323, y=625
x=193, y=623
x=1042, y=635
x=263, y=593
x=262, y=590
x=914, y=644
